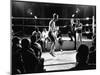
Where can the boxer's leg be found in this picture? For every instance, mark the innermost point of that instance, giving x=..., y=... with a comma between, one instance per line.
x=52, y=49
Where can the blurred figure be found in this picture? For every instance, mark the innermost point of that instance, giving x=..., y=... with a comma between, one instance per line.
x=31, y=62
x=36, y=47
x=60, y=41
x=68, y=30
x=82, y=56
x=74, y=22
x=44, y=38
x=17, y=65
x=92, y=58
x=36, y=33
x=52, y=33
x=94, y=42
x=78, y=29
x=92, y=55
x=38, y=52
x=15, y=44
x=44, y=34
x=82, y=59
x=73, y=32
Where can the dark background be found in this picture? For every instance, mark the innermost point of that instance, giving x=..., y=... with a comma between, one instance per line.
x=46, y=10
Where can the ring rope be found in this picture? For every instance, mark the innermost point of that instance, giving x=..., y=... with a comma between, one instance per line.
x=50, y=18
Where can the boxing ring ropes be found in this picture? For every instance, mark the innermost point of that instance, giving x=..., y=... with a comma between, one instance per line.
x=34, y=19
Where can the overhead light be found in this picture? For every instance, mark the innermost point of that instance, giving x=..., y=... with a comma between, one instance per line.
x=87, y=18
x=87, y=32
x=30, y=13
x=73, y=15
x=35, y=17
x=77, y=10
x=87, y=24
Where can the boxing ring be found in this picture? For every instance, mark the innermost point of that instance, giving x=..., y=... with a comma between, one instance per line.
x=67, y=58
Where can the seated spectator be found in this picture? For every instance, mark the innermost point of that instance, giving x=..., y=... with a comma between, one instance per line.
x=38, y=50
x=92, y=57
x=38, y=36
x=31, y=62
x=17, y=66
x=36, y=33
x=93, y=48
x=15, y=44
x=36, y=46
x=82, y=59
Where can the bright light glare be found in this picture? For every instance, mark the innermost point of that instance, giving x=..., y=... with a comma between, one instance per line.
x=73, y=15
x=87, y=18
x=87, y=24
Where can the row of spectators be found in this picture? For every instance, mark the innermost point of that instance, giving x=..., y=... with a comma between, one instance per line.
x=26, y=56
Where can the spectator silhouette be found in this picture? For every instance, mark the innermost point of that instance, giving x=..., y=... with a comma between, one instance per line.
x=36, y=33
x=92, y=58
x=82, y=59
x=82, y=56
x=17, y=66
x=31, y=63
x=92, y=55
x=38, y=51
x=15, y=44
x=36, y=46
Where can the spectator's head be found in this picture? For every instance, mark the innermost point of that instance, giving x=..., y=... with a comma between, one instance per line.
x=15, y=40
x=15, y=44
x=44, y=29
x=25, y=43
x=82, y=55
x=55, y=16
x=36, y=29
x=33, y=39
x=92, y=48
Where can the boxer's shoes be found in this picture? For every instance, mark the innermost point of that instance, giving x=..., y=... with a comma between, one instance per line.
x=52, y=54
x=61, y=50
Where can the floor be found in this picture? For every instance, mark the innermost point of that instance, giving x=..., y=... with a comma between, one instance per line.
x=62, y=60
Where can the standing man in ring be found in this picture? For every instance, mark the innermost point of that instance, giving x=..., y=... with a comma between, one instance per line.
x=52, y=33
